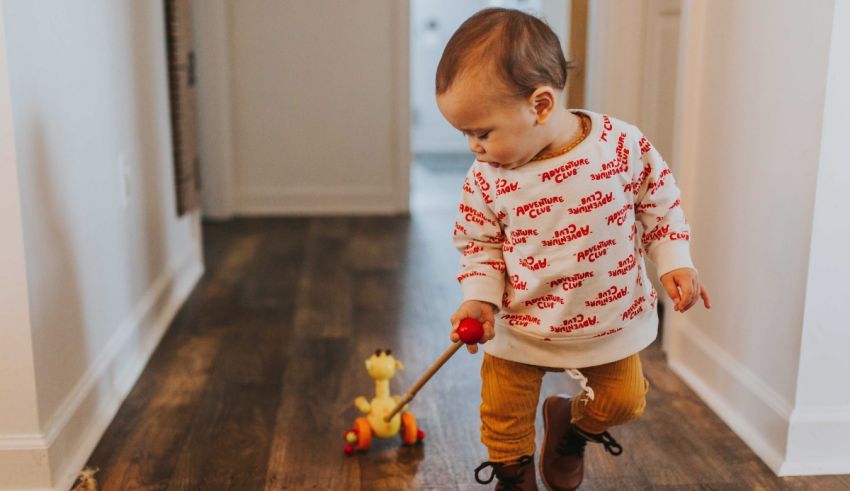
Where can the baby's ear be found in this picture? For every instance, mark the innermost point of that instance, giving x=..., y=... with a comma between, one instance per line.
x=543, y=100
x=399, y=365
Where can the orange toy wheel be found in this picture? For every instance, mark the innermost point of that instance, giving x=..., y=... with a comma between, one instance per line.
x=409, y=430
x=364, y=433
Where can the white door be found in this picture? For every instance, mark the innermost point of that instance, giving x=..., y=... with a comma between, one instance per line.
x=660, y=68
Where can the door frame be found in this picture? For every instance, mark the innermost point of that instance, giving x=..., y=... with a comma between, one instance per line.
x=212, y=34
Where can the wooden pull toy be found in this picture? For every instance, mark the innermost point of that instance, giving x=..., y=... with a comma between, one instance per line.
x=382, y=418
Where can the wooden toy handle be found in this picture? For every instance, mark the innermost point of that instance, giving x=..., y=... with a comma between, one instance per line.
x=430, y=373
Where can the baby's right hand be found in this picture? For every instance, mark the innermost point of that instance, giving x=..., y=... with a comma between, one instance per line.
x=483, y=312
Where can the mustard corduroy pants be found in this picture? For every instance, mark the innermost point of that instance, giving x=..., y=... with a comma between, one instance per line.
x=510, y=392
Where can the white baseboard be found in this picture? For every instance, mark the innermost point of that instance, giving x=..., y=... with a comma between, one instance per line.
x=818, y=443
x=754, y=411
x=313, y=200
x=52, y=460
x=792, y=443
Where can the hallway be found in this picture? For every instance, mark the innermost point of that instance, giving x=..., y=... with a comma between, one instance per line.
x=171, y=353
x=252, y=386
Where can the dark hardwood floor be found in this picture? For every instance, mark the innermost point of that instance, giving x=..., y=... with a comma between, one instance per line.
x=252, y=386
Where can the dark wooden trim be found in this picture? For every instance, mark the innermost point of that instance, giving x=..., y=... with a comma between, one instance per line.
x=577, y=54
x=182, y=98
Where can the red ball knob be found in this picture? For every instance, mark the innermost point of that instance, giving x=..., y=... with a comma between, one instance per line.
x=420, y=435
x=348, y=449
x=470, y=330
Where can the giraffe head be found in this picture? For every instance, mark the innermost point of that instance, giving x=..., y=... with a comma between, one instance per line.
x=382, y=366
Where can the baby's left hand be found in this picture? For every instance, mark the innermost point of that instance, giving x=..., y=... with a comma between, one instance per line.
x=684, y=288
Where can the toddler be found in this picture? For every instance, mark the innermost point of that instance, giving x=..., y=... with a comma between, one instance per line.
x=552, y=253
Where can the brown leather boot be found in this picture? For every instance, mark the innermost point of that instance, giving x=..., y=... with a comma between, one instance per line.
x=562, y=455
x=514, y=476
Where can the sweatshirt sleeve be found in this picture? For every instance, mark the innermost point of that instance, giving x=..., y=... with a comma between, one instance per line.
x=478, y=237
x=658, y=206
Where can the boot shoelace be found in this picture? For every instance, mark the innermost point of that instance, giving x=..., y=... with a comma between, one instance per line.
x=573, y=443
x=511, y=482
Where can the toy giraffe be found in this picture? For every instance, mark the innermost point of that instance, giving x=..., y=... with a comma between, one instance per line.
x=381, y=367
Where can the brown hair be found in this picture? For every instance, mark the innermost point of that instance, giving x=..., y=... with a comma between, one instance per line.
x=521, y=49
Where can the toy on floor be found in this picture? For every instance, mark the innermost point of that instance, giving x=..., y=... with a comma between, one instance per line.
x=381, y=367
x=382, y=418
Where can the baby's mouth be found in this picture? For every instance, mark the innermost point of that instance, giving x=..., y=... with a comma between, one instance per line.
x=491, y=164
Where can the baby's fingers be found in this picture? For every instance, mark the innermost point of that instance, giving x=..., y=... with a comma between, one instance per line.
x=687, y=298
x=669, y=285
x=692, y=297
x=488, y=315
x=705, y=300
x=489, y=332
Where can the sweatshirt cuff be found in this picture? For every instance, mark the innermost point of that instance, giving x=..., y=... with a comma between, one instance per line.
x=670, y=255
x=483, y=289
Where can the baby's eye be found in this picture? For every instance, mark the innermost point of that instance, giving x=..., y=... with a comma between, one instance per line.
x=477, y=136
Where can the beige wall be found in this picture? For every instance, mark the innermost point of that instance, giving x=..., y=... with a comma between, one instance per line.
x=19, y=409
x=17, y=383
x=105, y=270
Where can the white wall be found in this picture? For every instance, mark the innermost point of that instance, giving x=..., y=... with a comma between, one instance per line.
x=751, y=154
x=319, y=94
x=105, y=270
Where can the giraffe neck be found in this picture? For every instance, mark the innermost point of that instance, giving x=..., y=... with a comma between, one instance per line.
x=382, y=388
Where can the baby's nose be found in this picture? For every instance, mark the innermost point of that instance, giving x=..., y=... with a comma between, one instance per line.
x=474, y=146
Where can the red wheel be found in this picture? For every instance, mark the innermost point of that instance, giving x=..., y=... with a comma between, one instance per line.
x=409, y=430
x=364, y=433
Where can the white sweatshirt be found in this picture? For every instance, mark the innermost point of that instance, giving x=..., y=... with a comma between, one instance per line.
x=554, y=243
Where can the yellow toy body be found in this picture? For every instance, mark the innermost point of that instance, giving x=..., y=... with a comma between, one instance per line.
x=377, y=410
x=381, y=367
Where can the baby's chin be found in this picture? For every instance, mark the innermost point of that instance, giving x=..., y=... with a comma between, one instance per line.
x=506, y=166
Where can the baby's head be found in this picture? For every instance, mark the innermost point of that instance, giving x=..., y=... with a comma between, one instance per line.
x=500, y=79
